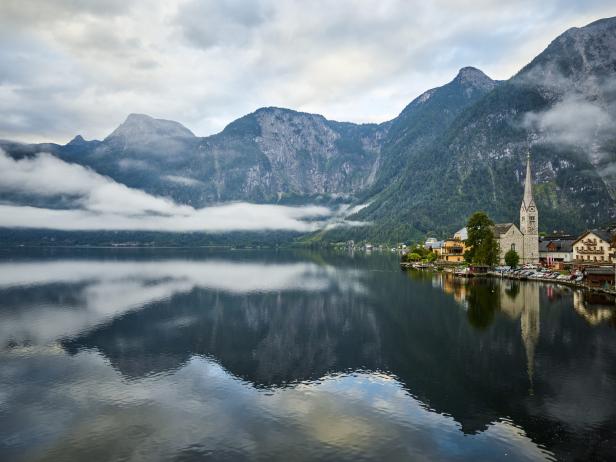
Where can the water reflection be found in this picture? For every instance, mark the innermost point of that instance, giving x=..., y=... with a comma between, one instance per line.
x=595, y=308
x=257, y=355
x=52, y=300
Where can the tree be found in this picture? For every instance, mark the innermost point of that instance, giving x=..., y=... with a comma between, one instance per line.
x=431, y=257
x=411, y=257
x=512, y=258
x=483, y=248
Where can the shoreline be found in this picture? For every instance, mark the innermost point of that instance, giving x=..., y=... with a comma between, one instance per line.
x=404, y=266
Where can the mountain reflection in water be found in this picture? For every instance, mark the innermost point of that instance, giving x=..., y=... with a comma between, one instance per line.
x=271, y=355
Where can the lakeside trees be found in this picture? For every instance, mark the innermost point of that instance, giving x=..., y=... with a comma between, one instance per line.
x=483, y=247
x=512, y=258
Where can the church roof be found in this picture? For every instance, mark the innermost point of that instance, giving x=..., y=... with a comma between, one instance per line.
x=501, y=228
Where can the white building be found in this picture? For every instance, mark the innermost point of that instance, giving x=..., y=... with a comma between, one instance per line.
x=594, y=246
x=556, y=250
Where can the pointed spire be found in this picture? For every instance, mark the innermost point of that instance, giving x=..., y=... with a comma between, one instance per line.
x=528, y=183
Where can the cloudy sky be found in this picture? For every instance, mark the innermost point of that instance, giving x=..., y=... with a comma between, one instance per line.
x=80, y=66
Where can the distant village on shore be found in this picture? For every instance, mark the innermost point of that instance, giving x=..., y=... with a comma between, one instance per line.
x=590, y=256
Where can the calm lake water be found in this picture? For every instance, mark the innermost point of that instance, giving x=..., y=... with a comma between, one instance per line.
x=183, y=355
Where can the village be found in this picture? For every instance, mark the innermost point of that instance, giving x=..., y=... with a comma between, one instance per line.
x=587, y=260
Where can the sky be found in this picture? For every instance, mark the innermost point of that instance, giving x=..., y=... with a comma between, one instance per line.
x=72, y=67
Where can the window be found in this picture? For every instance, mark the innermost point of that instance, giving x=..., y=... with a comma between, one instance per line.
x=513, y=247
x=531, y=218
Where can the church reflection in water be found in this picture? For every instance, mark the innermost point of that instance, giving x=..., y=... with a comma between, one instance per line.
x=483, y=299
x=522, y=300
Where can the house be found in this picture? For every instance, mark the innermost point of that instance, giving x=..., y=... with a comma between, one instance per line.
x=453, y=249
x=433, y=244
x=594, y=246
x=602, y=276
x=525, y=239
x=555, y=251
x=461, y=234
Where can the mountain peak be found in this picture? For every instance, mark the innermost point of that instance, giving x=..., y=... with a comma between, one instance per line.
x=581, y=58
x=77, y=140
x=471, y=76
x=140, y=126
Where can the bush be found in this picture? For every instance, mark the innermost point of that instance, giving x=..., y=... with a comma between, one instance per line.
x=512, y=258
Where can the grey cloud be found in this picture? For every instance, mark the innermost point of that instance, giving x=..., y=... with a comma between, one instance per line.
x=205, y=63
x=48, y=11
x=211, y=23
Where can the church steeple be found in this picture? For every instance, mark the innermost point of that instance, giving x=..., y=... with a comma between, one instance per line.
x=528, y=186
x=529, y=219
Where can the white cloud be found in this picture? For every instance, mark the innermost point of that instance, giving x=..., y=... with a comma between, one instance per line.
x=573, y=120
x=101, y=203
x=182, y=180
x=205, y=63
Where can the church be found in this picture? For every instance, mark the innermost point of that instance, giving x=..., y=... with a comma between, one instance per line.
x=525, y=239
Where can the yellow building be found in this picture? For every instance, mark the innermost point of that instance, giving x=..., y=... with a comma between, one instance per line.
x=453, y=249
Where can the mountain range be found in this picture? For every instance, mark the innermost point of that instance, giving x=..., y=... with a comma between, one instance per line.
x=453, y=150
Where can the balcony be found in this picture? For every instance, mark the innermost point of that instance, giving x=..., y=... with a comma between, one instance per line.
x=590, y=252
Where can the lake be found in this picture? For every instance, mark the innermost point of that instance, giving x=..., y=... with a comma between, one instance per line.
x=189, y=354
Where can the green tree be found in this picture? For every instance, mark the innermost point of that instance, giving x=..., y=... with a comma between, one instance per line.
x=431, y=257
x=483, y=248
x=512, y=258
x=412, y=257
x=420, y=250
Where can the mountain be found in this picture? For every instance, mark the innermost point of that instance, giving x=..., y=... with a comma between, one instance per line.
x=426, y=118
x=271, y=155
x=561, y=107
x=453, y=150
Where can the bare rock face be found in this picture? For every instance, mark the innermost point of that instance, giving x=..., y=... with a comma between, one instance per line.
x=311, y=155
